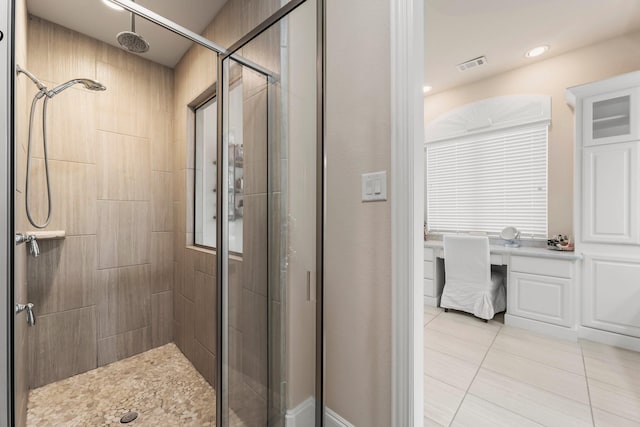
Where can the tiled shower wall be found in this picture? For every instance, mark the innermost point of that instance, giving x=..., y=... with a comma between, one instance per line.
x=104, y=292
x=195, y=298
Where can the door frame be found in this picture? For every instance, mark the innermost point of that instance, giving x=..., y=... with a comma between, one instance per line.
x=407, y=210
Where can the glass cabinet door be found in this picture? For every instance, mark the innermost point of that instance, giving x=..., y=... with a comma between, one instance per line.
x=611, y=118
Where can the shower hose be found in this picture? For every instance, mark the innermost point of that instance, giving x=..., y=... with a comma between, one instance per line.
x=38, y=95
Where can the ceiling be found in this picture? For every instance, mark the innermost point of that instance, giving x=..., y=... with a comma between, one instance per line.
x=95, y=19
x=455, y=30
x=503, y=30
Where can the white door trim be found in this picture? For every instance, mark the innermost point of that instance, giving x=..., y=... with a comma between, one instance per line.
x=407, y=195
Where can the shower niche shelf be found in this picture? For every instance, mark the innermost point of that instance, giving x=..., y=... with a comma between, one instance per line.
x=47, y=234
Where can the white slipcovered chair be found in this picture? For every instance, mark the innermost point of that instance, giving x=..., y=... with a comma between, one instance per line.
x=470, y=285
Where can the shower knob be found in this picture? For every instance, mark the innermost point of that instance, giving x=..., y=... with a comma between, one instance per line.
x=29, y=308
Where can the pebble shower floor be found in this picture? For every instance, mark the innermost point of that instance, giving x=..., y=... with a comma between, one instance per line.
x=160, y=385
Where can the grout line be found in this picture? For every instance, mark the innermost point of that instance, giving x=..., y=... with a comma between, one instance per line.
x=474, y=378
x=113, y=132
x=75, y=162
x=538, y=361
x=538, y=387
x=616, y=415
x=453, y=355
x=586, y=378
x=546, y=340
x=434, y=421
x=506, y=409
x=123, y=333
x=53, y=313
x=432, y=319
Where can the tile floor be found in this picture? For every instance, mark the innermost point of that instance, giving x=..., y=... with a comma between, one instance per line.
x=487, y=374
x=160, y=384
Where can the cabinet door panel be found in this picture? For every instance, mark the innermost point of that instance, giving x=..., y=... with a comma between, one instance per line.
x=543, y=298
x=610, y=194
x=611, y=294
x=428, y=270
x=429, y=288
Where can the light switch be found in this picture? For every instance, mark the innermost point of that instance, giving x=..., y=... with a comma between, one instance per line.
x=369, y=188
x=374, y=186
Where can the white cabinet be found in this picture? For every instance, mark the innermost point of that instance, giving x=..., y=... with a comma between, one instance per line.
x=607, y=202
x=433, y=280
x=610, y=118
x=429, y=288
x=610, y=193
x=541, y=289
x=611, y=294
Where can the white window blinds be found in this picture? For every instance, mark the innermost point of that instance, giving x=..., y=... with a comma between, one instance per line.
x=489, y=181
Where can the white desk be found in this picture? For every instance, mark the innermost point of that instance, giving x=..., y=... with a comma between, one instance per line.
x=541, y=294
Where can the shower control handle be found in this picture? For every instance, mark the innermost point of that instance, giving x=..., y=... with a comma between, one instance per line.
x=31, y=314
x=31, y=240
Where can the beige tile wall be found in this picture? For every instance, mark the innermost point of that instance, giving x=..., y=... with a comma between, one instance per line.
x=105, y=292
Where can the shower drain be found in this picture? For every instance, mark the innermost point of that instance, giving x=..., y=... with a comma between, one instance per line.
x=129, y=417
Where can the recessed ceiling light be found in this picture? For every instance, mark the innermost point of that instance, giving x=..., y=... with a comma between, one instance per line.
x=113, y=5
x=426, y=89
x=536, y=51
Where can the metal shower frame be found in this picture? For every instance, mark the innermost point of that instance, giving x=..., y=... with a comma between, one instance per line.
x=222, y=402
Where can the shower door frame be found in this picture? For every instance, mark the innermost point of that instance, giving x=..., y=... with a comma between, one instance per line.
x=6, y=212
x=222, y=399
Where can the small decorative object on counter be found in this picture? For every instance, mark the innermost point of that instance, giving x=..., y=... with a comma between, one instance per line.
x=560, y=242
x=510, y=235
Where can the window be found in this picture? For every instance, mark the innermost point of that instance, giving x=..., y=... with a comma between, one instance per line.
x=488, y=181
x=205, y=173
x=205, y=209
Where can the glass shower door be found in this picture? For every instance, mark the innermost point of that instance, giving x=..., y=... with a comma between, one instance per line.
x=270, y=255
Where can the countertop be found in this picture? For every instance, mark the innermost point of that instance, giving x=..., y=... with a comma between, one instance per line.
x=531, y=251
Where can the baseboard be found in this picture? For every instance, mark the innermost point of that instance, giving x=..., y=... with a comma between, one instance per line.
x=555, y=331
x=332, y=419
x=304, y=414
x=609, y=338
x=431, y=301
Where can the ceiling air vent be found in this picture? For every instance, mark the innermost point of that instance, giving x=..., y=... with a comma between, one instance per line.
x=472, y=63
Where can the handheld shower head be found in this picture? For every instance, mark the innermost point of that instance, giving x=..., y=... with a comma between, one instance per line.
x=87, y=83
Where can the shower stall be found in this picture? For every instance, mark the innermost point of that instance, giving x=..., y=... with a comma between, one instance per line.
x=165, y=222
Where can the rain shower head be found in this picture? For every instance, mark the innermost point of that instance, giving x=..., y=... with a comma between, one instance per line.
x=87, y=83
x=132, y=41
